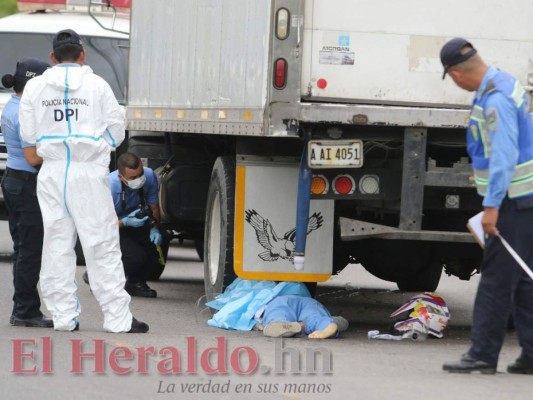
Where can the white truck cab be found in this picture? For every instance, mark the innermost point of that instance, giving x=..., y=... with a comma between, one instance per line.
x=104, y=31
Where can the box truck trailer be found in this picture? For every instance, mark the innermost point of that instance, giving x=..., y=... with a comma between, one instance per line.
x=293, y=137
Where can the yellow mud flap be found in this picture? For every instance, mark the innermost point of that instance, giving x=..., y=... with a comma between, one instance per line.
x=265, y=220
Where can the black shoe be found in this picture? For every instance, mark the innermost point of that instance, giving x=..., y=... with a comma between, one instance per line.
x=76, y=328
x=140, y=289
x=86, y=278
x=138, y=326
x=468, y=364
x=35, y=322
x=521, y=366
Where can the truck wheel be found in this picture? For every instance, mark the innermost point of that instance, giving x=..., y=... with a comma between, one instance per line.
x=411, y=264
x=218, y=239
x=425, y=280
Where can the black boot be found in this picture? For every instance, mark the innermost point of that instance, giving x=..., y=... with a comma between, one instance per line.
x=468, y=364
x=35, y=322
x=138, y=326
x=140, y=289
x=521, y=366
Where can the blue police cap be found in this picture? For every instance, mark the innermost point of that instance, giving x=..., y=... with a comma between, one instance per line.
x=28, y=68
x=66, y=36
x=451, y=55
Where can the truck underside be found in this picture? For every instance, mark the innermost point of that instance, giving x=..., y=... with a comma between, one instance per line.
x=411, y=228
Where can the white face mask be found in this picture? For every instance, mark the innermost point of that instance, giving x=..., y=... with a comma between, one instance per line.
x=136, y=183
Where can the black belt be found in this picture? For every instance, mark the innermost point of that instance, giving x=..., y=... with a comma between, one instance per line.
x=19, y=174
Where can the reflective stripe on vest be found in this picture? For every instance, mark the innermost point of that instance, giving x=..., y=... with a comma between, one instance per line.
x=478, y=116
x=521, y=184
x=518, y=94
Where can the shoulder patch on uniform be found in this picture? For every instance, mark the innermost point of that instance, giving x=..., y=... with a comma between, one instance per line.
x=492, y=119
x=474, y=131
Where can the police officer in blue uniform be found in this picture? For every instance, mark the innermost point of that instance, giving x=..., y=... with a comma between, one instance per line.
x=144, y=244
x=24, y=214
x=500, y=144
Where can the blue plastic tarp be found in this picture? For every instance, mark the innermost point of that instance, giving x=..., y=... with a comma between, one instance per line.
x=242, y=299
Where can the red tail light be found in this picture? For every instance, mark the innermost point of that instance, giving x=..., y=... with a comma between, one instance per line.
x=344, y=184
x=280, y=73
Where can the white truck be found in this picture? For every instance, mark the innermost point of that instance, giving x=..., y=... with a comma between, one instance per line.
x=308, y=134
x=29, y=33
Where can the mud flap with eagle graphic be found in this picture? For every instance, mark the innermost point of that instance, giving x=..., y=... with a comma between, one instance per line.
x=265, y=207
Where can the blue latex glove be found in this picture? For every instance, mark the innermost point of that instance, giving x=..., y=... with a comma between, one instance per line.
x=155, y=236
x=131, y=221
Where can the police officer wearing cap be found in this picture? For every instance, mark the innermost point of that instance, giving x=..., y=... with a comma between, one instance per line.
x=19, y=190
x=500, y=144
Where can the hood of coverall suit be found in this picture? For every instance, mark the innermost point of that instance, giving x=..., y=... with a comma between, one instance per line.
x=62, y=77
x=74, y=84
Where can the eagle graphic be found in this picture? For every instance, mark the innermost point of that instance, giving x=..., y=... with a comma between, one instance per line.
x=276, y=246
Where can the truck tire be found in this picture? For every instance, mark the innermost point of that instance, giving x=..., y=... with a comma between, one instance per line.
x=218, y=239
x=411, y=264
x=425, y=280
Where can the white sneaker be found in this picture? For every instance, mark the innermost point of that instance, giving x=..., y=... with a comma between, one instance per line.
x=282, y=329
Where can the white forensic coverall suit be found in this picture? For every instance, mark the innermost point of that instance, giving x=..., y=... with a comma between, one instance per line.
x=74, y=119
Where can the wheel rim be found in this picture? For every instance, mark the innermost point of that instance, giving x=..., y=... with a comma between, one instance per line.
x=214, y=239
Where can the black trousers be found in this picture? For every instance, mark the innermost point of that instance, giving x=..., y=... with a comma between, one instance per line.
x=139, y=254
x=26, y=228
x=504, y=288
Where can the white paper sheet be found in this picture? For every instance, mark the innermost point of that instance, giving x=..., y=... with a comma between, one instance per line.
x=476, y=229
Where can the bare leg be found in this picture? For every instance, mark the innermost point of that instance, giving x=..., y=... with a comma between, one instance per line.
x=327, y=332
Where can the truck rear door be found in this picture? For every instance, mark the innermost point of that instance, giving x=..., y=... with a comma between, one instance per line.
x=387, y=51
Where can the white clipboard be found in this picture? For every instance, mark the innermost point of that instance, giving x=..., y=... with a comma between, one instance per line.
x=476, y=229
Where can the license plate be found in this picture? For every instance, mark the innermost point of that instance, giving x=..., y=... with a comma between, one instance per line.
x=335, y=154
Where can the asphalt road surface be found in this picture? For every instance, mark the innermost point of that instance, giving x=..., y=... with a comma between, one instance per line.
x=181, y=357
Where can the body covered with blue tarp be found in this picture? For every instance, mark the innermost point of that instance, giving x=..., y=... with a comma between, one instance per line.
x=242, y=299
